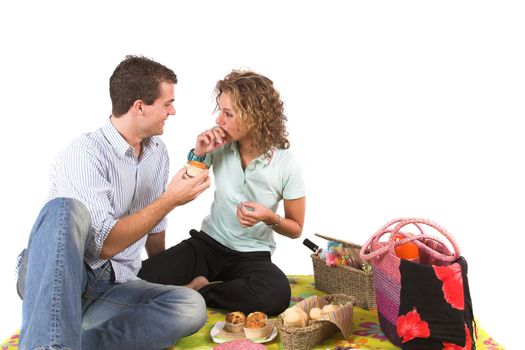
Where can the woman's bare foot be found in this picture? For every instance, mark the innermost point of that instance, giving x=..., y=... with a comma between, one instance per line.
x=198, y=282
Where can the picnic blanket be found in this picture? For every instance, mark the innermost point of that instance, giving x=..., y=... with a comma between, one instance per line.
x=365, y=331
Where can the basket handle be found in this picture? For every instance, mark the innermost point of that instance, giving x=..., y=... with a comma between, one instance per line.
x=398, y=225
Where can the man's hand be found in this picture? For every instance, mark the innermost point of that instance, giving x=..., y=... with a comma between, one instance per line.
x=181, y=190
x=210, y=140
x=131, y=228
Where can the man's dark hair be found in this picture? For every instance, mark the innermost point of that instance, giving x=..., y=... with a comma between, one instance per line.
x=137, y=78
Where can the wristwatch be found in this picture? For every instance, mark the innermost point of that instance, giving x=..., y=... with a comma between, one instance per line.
x=193, y=156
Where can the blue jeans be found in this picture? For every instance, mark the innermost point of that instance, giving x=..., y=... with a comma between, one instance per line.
x=67, y=305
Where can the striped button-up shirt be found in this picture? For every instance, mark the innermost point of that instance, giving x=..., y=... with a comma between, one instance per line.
x=100, y=169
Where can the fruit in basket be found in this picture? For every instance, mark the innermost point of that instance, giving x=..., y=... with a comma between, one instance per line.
x=408, y=251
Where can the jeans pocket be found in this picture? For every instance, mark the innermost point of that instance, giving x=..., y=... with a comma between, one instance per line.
x=99, y=280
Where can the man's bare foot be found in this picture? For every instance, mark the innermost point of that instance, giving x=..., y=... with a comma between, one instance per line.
x=198, y=282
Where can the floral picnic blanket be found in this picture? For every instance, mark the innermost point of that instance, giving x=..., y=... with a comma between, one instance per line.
x=365, y=332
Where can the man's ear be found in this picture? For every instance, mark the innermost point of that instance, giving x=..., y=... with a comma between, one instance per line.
x=138, y=106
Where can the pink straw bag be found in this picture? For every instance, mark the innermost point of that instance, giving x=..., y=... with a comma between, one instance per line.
x=386, y=264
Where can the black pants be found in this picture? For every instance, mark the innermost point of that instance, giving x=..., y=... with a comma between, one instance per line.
x=247, y=281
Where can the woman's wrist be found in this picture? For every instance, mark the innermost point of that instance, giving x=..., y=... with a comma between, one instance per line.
x=193, y=156
x=276, y=222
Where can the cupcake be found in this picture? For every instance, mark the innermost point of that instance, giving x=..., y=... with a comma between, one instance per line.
x=257, y=316
x=255, y=326
x=234, y=322
x=194, y=168
x=254, y=329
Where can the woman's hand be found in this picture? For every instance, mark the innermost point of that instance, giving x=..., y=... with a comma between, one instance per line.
x=291, y=225
x=250, y=213
x=209, y=141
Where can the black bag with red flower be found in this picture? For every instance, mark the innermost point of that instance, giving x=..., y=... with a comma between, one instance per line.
x=422, y=294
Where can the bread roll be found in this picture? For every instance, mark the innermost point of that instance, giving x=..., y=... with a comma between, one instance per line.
x=331, y=308
x=295, y=317
x=316, y=313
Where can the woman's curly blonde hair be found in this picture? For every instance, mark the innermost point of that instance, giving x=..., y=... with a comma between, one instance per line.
x=258, y=105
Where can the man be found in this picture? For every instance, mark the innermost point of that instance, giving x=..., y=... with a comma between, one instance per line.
x=108, y=200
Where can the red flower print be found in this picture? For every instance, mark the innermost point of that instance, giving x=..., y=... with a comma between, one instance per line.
x=491, y=343
x=452, y=346
x=468, y=342
x=411, y=326
x=452, y=284
x=468, y=338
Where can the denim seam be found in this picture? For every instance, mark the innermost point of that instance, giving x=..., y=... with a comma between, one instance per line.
x=57, y=276
x=132, y=304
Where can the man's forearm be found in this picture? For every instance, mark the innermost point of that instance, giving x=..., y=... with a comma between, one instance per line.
x=156, y=243
x=131, y=228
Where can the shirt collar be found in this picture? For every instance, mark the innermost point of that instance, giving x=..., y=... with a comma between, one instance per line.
x=232, y=146
x=119, y=143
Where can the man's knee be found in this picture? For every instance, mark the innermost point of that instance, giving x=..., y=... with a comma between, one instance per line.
x=76, y=208
x=199, y=313
x=188, y=309
x=77, y=214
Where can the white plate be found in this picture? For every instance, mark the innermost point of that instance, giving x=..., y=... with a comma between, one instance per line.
x=220, y=325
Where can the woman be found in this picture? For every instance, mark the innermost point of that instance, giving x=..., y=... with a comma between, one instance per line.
x=229, y=260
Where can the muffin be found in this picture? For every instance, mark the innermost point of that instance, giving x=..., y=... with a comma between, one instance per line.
x=234, y=322
x=257, y=316
x=255, y=326
x=254, y=329
x=194, y=168
x=235, y=317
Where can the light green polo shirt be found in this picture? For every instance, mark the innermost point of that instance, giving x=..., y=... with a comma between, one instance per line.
x=263, y=181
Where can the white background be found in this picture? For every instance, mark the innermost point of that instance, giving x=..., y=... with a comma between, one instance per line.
x=396, y=109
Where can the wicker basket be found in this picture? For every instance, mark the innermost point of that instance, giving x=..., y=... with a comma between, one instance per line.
x=303, y=338
x=343, y=279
